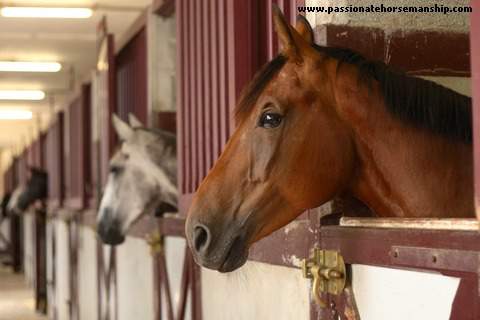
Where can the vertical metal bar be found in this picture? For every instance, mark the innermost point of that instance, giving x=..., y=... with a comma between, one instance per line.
x=199, y=110
x=180, y=91
x=193, y=101
x=207, y=85
x=224, y=72
x=215, y=92
x=269, y=30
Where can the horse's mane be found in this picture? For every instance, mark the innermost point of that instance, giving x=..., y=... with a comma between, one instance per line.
x=168, y=137
x=415, y=101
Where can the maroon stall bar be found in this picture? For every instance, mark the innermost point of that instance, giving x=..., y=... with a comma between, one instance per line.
x=55, y=164
x=475, y=56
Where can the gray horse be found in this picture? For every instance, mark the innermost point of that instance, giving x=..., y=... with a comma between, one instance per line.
x=142, y=179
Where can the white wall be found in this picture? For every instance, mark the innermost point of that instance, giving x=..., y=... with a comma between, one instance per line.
x=175, y=256
x=87, y=274
x=28, y=249
x=388, y=21
x=135, y=282
x=382, y=293
x=5, y=231
x=162, y=59
x=257, y=291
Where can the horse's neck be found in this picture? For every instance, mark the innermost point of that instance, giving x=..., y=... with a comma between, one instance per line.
x=403, y=171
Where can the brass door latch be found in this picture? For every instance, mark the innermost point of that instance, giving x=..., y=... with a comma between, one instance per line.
x=155, y=241
x=327, y=269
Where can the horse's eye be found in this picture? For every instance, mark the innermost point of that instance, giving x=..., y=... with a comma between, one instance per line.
x=270, y=120
x=115, y=170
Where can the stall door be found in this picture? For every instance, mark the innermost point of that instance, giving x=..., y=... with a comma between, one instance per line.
x=221, y=45
x=104, y=141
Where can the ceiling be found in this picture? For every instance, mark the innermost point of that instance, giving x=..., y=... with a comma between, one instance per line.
x=71, y=42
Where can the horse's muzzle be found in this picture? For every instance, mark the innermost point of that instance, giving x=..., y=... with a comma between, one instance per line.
x=110, y=231
x=219, y=251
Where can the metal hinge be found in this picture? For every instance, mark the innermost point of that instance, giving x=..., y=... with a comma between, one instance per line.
x=327, y=270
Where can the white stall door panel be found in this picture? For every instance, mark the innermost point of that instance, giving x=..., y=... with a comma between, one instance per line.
x=5, y=231
x=384, y=293
x=135, y=280
x=175, y=256
x=62, y=270
x=28, y=250
x=87, y=275
x=257, y=291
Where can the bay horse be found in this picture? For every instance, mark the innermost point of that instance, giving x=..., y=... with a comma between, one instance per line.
x=35, y=189
x=142, y=179
x=317, y=123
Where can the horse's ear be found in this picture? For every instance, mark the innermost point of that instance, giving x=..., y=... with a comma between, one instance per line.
x=122, y=128
x=134, y=122
x=304, y=28
x=293, y=43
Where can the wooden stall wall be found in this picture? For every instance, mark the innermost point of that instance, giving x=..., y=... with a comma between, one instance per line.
x=77, y=158
x=221, y=44
x=6, y=235
x=55, y=163
x=79, y=190
x=131, y=65
x=16, y=223
x=131, y=77
x=55, y=167
x=37, y=217
x=41, y=288
x=28, y=218
x=103, y=140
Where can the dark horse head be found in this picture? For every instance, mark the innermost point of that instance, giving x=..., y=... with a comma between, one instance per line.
x=4, y=204
x=36, y=189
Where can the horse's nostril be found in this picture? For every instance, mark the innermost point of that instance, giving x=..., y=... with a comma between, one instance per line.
x=201, y=238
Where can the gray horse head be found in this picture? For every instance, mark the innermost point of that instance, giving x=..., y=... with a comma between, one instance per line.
x=142, y=178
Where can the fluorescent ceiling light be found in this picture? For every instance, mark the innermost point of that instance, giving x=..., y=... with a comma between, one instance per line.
x=43, y=12
x=12, y=114
x=25, y=66
x=22, y=95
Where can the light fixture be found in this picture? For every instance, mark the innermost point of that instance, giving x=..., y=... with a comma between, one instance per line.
x=15, y=114
x=22, y=95
x=44, y=12
x=26, y=66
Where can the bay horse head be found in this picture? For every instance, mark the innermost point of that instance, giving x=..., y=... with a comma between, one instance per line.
x=142, y=178
x=35, y=189
x=316, y=123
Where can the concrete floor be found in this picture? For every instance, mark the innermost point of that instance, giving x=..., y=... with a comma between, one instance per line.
x=16, y=299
